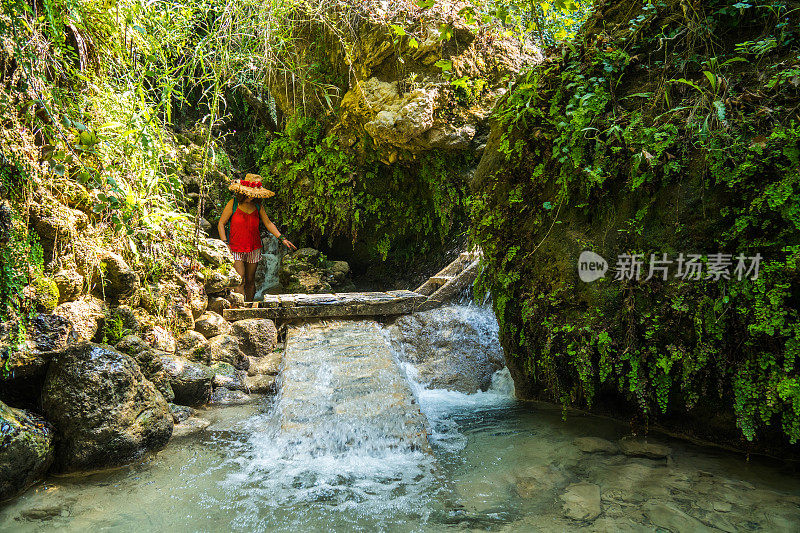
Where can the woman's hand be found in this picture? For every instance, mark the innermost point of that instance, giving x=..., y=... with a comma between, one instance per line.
x=288, y=244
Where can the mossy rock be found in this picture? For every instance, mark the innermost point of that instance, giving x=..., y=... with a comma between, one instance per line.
x=46, y=294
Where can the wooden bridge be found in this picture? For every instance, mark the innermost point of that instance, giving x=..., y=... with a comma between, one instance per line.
x=446, y=284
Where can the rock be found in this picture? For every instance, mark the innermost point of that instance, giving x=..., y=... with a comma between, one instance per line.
x=215, y=252
x=236, y=299
x=132, y=345
x=451, y=347
x=595, y=445
x=45, y=294
x=149, y=361
x=218, y=305
x=538, y=479
x=260, y=384
x=223, y=396
x=669, y=517
x=269, y=364
x=227, y=376
x=161, y=339
x=221, y=279
x=190, y=340
x=117, y=279
x=70, y=284
x=308, y=271
x=28, y=359
x=189, y=426
x=104, y=410
x=191, y=382
x=226, y=348
x=211, y=324
x=86, y=314
x=181, y=412
x=582, y=501
x=26, y=450
x=641, y=448
x=119, y=322
x=258, y=336
x=55, y=222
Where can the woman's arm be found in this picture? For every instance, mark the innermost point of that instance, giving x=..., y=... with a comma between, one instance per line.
x=274, y=230
x=226, y=215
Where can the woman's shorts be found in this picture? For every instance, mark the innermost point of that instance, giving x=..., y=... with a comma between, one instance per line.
x=248, y=257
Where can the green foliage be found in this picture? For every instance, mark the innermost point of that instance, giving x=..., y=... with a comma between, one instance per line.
x=607, y=141
x=400, y=209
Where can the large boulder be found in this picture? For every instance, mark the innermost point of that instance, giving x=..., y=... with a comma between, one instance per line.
x=116, y=277
x=211, y=324
x=149, y=361
x=26, y=450
x=308, y=271
x=257, y=336
x=452, y=347
x=86, y=315
x=106, y=413
x=226, y=349
x=191, y=381
x=25, y=360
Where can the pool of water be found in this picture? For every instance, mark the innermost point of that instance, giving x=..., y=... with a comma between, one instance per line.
x=495, y=464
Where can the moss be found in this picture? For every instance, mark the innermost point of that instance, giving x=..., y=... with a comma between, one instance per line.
x=46, y=294
x=611, y=147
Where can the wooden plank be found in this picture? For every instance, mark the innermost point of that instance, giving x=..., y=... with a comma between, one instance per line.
x=336, y=305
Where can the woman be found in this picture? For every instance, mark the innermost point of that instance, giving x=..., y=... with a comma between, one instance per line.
x=245, y=215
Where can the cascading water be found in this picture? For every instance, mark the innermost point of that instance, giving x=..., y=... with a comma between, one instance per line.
x=267, y=270
x=330, y=454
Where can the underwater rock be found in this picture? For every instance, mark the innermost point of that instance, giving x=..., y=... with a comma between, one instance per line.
x=211, y=324
x=104, y=410
x=538, y=479
x=26, y=450
x=595, y=445
x=191, y=382
x=582, y=501
x=189, y=426
x=641, y=448
x=258, y=336
x=669, y=517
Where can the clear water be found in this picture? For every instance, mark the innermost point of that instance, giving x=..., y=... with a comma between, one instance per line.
x=496, y=464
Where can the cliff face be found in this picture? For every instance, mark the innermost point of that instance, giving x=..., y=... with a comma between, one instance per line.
x=667, y=128
x=377, y=149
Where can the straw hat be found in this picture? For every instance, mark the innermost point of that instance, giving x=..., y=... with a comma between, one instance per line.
x=251, y=186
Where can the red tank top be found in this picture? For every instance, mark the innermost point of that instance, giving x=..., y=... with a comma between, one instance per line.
x=245, y=235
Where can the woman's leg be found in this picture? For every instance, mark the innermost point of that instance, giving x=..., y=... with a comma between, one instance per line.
x=250, y=281
x=238, y=266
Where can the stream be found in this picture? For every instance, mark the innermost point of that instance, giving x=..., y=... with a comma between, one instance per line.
x=494, y=464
